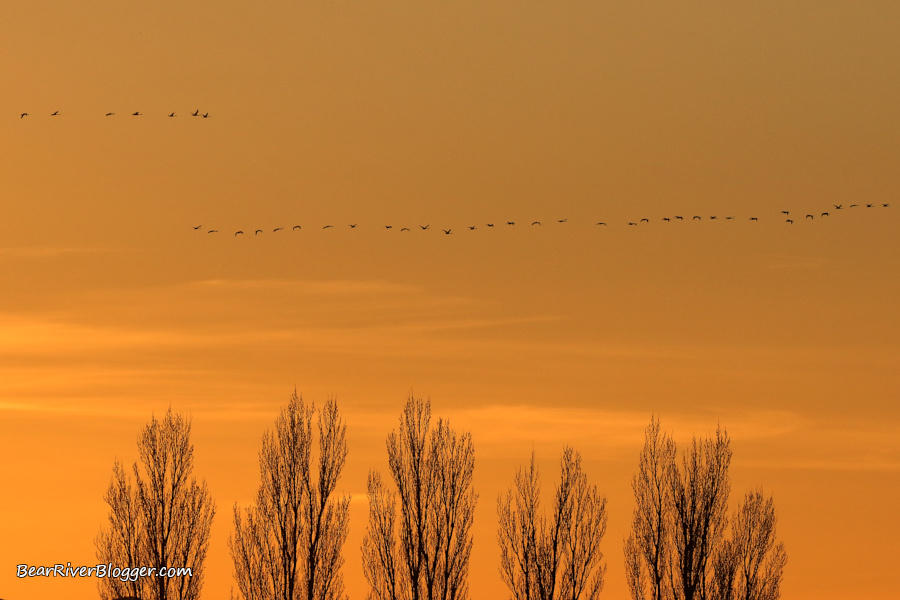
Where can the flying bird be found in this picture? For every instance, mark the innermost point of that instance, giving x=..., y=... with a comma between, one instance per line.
x=809, y=216
x=471, y=228
x=172, y=114
x=205, y=115
x=510, y=222
x=696, y=217
x=635, y=224
x=854, y=205
x=447, y=231
x=110, y=114
x=838, y=206
x=789, y=221
x=327, y=226
x=886, y=205
x=195, y=113
x=213, y=231
x=136, y=114
x=388, y=226
x=257, y=232
x=423, y=227
x=296, y=227
x=238, y=232
x=277, y=229
x=729, y=218
x=679, y=218
x=869, y=205
x=601, y=223
x=561, y=220
x=353, y=226
x=54, y=114
x=754, y=219
x=490, y=224
x=198, y=226
x=713, y=217
x=404, y=229
x=647, y=220
x=666, y=219
x=824, y=214
x=785, y=212
x=23, y=115
x=535, y=222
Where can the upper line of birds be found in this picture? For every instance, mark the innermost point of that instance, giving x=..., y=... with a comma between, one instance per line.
x=785, y=213
x=136, y=113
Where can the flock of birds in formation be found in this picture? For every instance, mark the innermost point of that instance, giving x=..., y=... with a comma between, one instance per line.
x=785, y=213
x=136, y=113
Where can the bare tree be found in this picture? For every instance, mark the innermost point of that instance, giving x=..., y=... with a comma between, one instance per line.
x=557, y=558
x=647, y=549
x=162, y=519
x=700, y=491
x=753, y=564
x=422, y=552
x=288, y=546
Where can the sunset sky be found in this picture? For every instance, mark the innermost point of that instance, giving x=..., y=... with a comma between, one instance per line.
x=454, y=114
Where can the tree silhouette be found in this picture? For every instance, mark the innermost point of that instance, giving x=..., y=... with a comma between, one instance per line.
x=422, y=552
x=160, y=519
x=288, y=546
x=647, y=549
x=752, y=565
x=700, y=503
x=559, y=558
x=677, y=547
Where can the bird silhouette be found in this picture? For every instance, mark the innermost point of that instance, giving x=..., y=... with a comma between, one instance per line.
x=679, y=218
x=838, y=206
x=789, y=221
x=136, y=113
x=198, y=226
x=490, y=224
x=754, y=219
x=205, y=115
x=535, y=222
x=869, y=205
x=667, y=219
x=447, y=231
x=601, y=223
x=423, y=227
x=824, y=214
x=23, y=115
x=696, y=217
x=238, y=232
x=635, y=224
x=561, y=220
x=645, y=220
x=785, y=212
x=353, y=226
x=172, y=114
x=471, y=228
x=54, y=114
x=886, y=205
x=110, y=114
x=388, y=226
x=327, y=226
x=277, y=229
x=711, y=218
x=296, y=227
x=809, y=216
x=854, y=205
x=195, y=113
x=213, y=231
x=404, y=229
x=257, y=232
x=510, y=222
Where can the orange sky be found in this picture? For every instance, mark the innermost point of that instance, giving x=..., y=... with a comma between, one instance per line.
x=112, y=307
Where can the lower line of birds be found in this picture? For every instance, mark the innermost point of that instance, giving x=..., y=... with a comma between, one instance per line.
x=136, y=113
x=785, y=213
